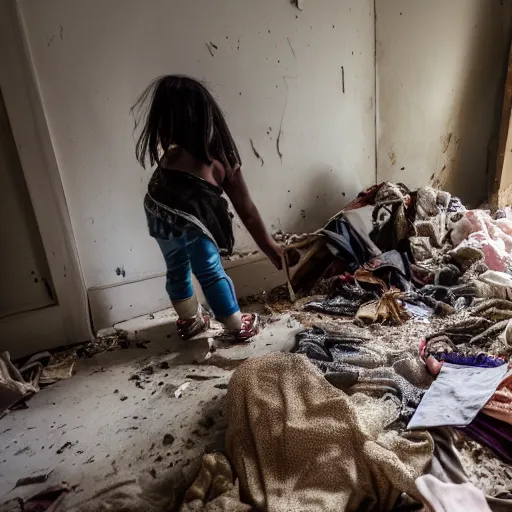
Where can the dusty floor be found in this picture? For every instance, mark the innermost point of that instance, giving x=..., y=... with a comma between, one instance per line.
x=146, y=410
x=105, y=425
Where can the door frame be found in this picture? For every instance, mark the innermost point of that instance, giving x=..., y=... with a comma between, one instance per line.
x=18, y=83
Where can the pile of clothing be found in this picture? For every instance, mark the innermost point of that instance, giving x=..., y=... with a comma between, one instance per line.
x=343, y=423
x=332, y=426
x=393, y=254
x=320, y=429
x=325, y=428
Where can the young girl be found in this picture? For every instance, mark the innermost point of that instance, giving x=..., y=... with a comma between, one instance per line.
x=186, y=135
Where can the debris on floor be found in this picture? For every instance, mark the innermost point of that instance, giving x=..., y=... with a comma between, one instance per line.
x=48, y=500
x=117, y=340
x=34, y=479
x=394, y=394
x=22, y=379
x=13, y=387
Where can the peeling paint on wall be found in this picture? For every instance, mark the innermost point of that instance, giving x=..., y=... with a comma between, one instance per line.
x=59, y=34
x=299, y=4
x=256, y=154
x=445, y=142
x=212, y=48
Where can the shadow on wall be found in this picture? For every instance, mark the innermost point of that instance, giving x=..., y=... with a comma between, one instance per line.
x=475, y=117
x=324, y=196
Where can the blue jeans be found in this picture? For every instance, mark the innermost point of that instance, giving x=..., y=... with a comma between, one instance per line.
x=190, y=250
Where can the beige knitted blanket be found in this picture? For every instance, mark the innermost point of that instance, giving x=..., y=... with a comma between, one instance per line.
x=298, y=443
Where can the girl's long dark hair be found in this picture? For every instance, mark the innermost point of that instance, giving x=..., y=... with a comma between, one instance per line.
x=182, y=111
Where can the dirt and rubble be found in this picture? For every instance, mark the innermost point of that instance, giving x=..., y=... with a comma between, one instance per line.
x=144, y=403
x=141, y=402
x=155, y=429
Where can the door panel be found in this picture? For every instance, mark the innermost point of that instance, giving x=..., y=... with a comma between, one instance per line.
x=24, y=273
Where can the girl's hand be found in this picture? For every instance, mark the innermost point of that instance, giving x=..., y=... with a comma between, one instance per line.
x=274, y=253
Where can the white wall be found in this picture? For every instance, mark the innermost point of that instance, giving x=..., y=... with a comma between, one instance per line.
x=440, y=66
x=93, y=58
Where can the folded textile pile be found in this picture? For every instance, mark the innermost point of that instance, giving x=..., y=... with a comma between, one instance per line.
x=395, y=254
x=298, y=443
x=354, y=365
x=440, y=496
x=477, y=229
x=500, y=404
x=213, y=488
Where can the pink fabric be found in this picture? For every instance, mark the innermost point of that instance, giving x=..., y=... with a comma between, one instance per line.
x=479, y=230
x=500, y=404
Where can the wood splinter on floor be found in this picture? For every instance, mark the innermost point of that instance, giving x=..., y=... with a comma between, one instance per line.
x=31, y=480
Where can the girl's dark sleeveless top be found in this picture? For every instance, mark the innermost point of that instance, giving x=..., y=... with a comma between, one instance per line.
x=185, y=201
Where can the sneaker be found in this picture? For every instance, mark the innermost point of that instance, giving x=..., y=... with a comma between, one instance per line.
x=193, y=326
x=250, y=327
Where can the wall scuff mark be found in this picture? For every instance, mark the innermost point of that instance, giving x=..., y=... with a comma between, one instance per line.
x=343, y=79
x=211, y=47
x=278, y=140
x=445, y=142
x=256, y=154
x=291, y=47
x=120, y=271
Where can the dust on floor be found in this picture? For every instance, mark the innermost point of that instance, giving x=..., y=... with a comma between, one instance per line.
x=128, y=411
x=140, y=410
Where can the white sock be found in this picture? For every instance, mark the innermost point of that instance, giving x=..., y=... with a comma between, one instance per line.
x=233, y=322
x=186, y=309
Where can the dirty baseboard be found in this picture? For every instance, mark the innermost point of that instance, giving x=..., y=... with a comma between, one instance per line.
x=117, y=303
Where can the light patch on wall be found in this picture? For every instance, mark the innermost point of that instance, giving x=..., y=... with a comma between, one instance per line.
x=392, y=156
x=440, y=68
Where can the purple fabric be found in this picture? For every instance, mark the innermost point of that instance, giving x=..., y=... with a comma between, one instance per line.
x=480, y=360
x=493, y=433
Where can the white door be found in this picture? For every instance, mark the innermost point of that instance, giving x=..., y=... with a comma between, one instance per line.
x=43, y=299
x=24, y=273
x=30, y=316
